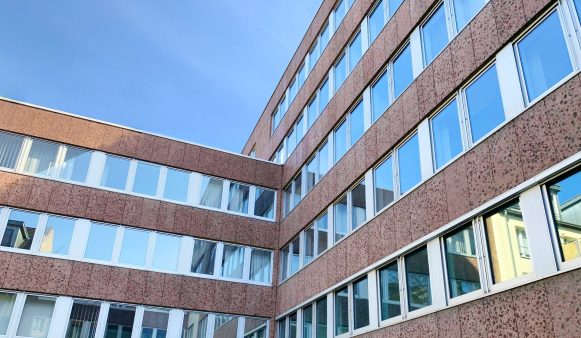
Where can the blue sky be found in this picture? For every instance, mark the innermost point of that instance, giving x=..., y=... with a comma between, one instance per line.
x=200, y=70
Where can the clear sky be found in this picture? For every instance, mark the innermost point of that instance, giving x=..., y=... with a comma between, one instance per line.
x=200, y=70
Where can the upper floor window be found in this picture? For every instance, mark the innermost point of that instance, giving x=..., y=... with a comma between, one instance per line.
x=134, y=247
x=360, y=304
x=10, y=146
x=408, y=158
x=75, y=165
x=417, y=272
x=340, y=71
x=465, y=10
x=176, y=185
x=36, y=316
x=203, y=257
x=42, y=157
x=355, y=51
x=166, y=252
x=379, y=96
x=260, y=265
x=101, y=241
x=446, y=136
x=146, y=179
x=342, y=311
x=57, y=236
x=264, y=203
x=20, y=229
x=238, y=197
x=377, y=20
x=115, y=172
x=402, y=71
x=339, y=12
x=389, y=296
x=383, y=183
x=211, y=192
x=434, y=35
x=462, y=262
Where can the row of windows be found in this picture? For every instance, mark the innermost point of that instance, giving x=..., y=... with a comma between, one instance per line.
x=315, y=52
x=521, y=74
x=507, y=246
x=63, y=162
x=41, y=316
x=79, y=239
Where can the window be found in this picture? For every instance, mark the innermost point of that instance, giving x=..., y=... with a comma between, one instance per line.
x=339, y=13
x=462, y=262
x=376, y=21
x=294, y=255
x=322, y=234
x=312, y=112
x=309, y=244
x=403, y=73
x=115, y=172
x=340, y=139
x=225, y=326
x=254, y=328
x=36, y=317
x=503, y=243
x=233, y=261
x=325, y=37
x=292, y=323
x=341, y=311
x=10, y=146
x=565, y=199
x=167, y=251
x=324, y=160
x=75, y=165
x=291, y=142
x=379, y=96
x=302, y=75
x=264, y=203
x=355, y=52
x=484, y=103
x=323, y=96
x=20, y=229
x=297, y=194
x=203, y=257
x=356, y=124
x=120, y=321
x=41, y=158
x=83, y=319
x=260, y=265
x=195, y=325
x=293, y=90
x=409, y=164
x=314, y=55
x=544, y=58
x=146, y=178
x=100, y=242
x=434, y=35
x=465, y=10
x=308, y=322
x=340, y=72
x=284, y=262
x=389, y=291
x=287, y=199
x=211, y=193
x=176, y=185
x=312, y=173
x=393, y=6
x=418, y=279
x=300, y=131
x=383, y=179
x=446, y=137
x=360, y=304
x=238, y=200
x=6, y=306
x=358, y=211
x=154, y=324
x=321, y=318
x=57, y=235
x=134, y=247
x=275, y=120
x=281, y=328
x=340, y=221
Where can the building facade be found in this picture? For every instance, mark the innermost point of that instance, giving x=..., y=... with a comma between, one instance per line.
x=416, y=172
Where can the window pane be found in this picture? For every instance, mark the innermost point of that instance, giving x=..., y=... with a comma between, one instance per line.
x=308, y=322
x=264, y=203
x=360, y=304
x=211, y=192
x=41, y=159
x=167, y=250
x=284, y=262
x=465, y=11
x=20, y=229
x=100, y=242
x=376, y=21
x=134, y=247
x=254, y=327
x=340, y=138
x=322, y=232
x=203, y=257
x=446, y=136
x=298, y=190
x=341, y=312
x=323, y=160
x=146, y=178
x=321, y=315
x=292, y=319
x=309, y=244
x=507, y=243
x=225, y=326
x=281, y=328
x=233, y=261
x=83, y=319
x=57, y=235
x=293, y=89
x=195, y=325
x=9, y=149
x=287, y=199
x=314, y=55
x=115, y=172
x=340, y=218
x=409, y=164
x=154, y=324
x=565, y=198
x=325, y=37
x=484, y=104
x=312, y=173
x=389, y=291
x=379, y=96
x=418, y=279
x=358, y=214
x=36, y=317
x=291, y=143
x=356, y=123
x=300, y=131
x=294, y=256
x=339, y=13
x=355, y=52
x=403, y=73
x=120, y=321
x=434, y=35
x=6, y=305
x=461, y=262
x=393, y=6
x=238, y=198
x=383, y=176
x=312, y=112
x=578, y=7
x=302, y=76
x=340, y=72
x=176, y=185
x=323, y=96
x=76, y=164
x=544, y=57
x=260, y=265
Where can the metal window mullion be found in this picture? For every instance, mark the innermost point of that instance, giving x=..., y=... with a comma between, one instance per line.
x=567, y=19
x=4, y=215
x=553, y=228
x=16, y=314
x=225, y=194
x=96, y=168
x=117, y=244
x=349, y=212
x=24, y=152
x=450, y=20
x=462, y=113
x=175, y=323
x=402, y=288
x=60, y=316
x=425, y=150
x=372, y=290
x=511, y=83
x=79, y=238
x=330, y=226
x=210, y=325
x=437, y=285
x=39, y=233
x=102, y=320
x=350, y=308
x=161, y=182
x=240, y=327
x=185, y=254
x=487, y=271
x=417, y=54
x=194, y=187
x=480, y=255
x=131, y=175
x=150, y=251
x=246, y=263
x=137, y=322
x=252, y=200
x=218, y=259
x=369, y=195
x=59, y=162
x=330, y=315
x=302, y=247
x=395, y=172
x=390, y=84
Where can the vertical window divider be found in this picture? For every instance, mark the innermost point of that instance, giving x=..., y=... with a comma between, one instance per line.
x=251, y=200
x=161, y=182
x=566, y=12
x=24, y=151
x=330, y=226
x=102, y=319
x=390, y=85
x=4, y=214
x=349, y=212
x=194, y=187
x=218, y=259
x=395, y=171
x=463, y=119
x=350, y=309
x=450, y=23
x=60, y=316
x=480, y=256
x=246, y=263
x=512, y=90
x=175, y=323
x=302, y=247
x=403, y=298
x=486, y=271
x=150, y=251
x=59, y=161
x=365, y=43
x=96, y=167
x=553, y=229
x=437, y=276
x=131, y=175
x=138, y=321
x=117, y=246
x=372, y=289
x=426, y=153
x=240, y=328
x=80, y=237
x=367, y=118
x=185, y=257
x=369, y=195
x=16, y=314
x=225, y=194
x=210, y=325
x=416, y=51
x=39, y=233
